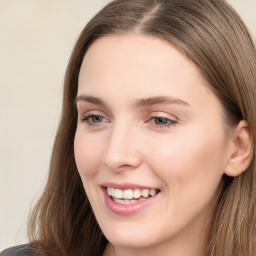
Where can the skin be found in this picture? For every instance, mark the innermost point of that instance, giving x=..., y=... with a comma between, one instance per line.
x=184, y=159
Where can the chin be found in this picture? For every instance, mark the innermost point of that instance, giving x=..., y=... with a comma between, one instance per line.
x=130, y=237
x=138, y=241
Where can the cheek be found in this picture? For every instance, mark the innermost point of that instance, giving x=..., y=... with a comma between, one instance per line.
x=195, y=157
x=87, y=155
x=191, y=171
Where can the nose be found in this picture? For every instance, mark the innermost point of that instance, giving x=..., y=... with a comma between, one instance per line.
x=123, y=149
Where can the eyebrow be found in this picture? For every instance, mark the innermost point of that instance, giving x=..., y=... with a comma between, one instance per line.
x=90, y=99
x=160, y=99
x=145, y=102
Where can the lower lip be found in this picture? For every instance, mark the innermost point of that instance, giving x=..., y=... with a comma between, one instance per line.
x=127, y=209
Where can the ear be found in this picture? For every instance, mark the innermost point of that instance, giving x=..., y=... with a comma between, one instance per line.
x=241, y=152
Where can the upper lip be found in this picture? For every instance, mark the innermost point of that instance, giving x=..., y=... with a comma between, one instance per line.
x=124, y=186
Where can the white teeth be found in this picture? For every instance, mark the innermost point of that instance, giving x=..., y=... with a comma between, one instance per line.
x=152, y=192
x=118, y=193
x=145, y=193
x=130, y=193
x=136, y=193
x=118, y=201
x=110, y=190
x=126, y=201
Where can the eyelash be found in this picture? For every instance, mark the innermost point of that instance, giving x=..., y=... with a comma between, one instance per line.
x=88, y=119
x=168, y=122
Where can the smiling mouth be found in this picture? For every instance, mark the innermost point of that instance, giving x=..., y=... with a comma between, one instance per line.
x=130, y=196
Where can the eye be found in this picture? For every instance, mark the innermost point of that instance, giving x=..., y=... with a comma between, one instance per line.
x=162, y=122
x=96, y=118
x=92, y=119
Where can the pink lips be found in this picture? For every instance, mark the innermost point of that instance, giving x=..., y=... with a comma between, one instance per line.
x=126, y=209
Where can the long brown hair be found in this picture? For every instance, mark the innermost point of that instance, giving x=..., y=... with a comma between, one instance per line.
x=212, y=35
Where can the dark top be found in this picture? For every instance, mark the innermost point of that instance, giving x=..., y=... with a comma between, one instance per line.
x=20, y=250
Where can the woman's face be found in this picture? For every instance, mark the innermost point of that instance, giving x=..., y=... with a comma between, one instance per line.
x=151, y=134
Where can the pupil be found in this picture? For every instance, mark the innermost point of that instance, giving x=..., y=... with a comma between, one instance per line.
x=161, y=120
x=96, y=119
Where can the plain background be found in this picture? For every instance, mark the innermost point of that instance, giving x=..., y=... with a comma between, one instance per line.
x=36, y=39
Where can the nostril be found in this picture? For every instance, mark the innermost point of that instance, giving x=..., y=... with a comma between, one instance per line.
x=121, y=163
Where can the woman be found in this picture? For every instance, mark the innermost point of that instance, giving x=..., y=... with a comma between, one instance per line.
x=155, y=151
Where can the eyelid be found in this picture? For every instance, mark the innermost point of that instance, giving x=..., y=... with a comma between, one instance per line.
x=171, y=120
x=163, y=114
x=87, y=116
x=92, y=112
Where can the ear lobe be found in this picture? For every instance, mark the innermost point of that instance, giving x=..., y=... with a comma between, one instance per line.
x=242, y=150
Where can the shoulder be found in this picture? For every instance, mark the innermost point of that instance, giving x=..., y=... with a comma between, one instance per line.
x=20, y=250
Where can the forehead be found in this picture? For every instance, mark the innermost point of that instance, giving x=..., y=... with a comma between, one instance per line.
x=134, y=48
x=133, y=58
x=119, y=67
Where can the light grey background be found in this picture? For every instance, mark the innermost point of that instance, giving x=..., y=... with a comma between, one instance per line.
x=36, y=39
